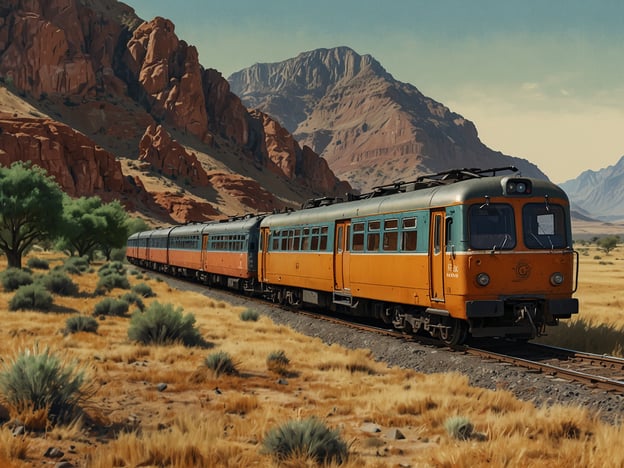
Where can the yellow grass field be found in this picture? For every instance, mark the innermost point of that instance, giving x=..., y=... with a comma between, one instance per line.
x=599, y=325
x=204, y=420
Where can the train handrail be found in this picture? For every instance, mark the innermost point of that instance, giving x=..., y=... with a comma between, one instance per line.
x=578, y=266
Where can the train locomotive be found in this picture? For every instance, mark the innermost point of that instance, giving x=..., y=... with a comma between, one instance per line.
x=457, y=253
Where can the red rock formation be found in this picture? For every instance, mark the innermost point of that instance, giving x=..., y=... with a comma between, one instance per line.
x=111, y=76
x=228, y=116
x=61, y=46
x=169, y=157
x=246, y=190
x=304, y=166
x=170, y=73
x=79, y=166
x=183, y=209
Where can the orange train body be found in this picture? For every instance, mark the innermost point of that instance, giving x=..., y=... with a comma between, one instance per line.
x=460, y=253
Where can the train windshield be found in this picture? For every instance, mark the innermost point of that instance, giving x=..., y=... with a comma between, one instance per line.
x=544, y=226
x=492, y=227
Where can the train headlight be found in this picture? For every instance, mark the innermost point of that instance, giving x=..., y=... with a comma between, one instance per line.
x=483, y=279
x=518, y=187
x=556, y=279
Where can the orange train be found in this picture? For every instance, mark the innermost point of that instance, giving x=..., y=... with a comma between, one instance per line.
x=462, y=252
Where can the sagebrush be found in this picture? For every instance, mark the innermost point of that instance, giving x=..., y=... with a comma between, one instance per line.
x=161, y=324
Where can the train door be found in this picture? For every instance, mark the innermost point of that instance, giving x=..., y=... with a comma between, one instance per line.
x=204, y=252
x=264, y=251
x=437, y=257
x=342, y=256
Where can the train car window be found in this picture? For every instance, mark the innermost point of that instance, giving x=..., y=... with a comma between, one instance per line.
x=372, y=239
x=339, y=237
x=544, y=226
x=314, y=240
x=305, y=239
x=492, y=227
x=324, y=237
x=357, y=244
x=409, y=236
x=291, y=240
x=275, y=243
x=436, y=234
x=391, y=235
x=297, y=239
x=347, y=238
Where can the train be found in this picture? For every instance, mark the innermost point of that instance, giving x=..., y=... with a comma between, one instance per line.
x=461, y=253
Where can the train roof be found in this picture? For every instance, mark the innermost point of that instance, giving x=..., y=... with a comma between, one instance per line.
x=436, y=195
x=231, y=225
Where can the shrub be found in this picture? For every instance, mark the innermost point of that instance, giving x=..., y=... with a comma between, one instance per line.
x=111, y=281
x=13, y=278
x=31, y=296
x=249, y=315
x=133, y=298
x=38, y=263
x=220, y=363
x=59, y=283
x=76, y=265
x=308, y=437
x=278, y=362
x=162, y=324
x=35, y=381
x=459, y=427
x=111, y=307
x=118, y=255
x=78, y=323
x=143, y=289
x=112, y=268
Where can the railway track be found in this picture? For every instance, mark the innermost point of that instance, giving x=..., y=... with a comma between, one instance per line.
x=604, y=372
x=595, y=371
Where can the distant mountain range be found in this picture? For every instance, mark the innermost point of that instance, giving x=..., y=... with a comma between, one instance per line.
x=599, y=194
x=371, y=128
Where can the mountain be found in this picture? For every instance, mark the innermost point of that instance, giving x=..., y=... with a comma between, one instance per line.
x=599, y=194
x=114, y=106
x=371, y=128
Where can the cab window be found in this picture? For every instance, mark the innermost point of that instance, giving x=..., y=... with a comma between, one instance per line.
x=544, y=226
x=492, y=227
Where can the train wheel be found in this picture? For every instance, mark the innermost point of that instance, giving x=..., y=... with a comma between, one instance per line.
x=455, y=334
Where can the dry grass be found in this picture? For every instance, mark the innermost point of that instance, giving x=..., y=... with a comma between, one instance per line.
x=201, y=419
x=599, y=326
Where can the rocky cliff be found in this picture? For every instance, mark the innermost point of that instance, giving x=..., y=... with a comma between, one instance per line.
x=371, y=128
x=78, y=165
x=137, y=91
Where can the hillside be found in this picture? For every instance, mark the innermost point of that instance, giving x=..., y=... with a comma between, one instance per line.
x=121, y=108
x=371, y=128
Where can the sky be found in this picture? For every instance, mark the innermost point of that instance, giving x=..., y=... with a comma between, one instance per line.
x=541, y=79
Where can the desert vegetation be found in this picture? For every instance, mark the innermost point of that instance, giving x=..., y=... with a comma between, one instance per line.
x=599, y=326
x=191, y=381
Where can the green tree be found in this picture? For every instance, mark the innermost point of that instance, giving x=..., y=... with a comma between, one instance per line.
x=31, y=206
x=136, y=225
x=117, y=229
x=607, y=244
x=91, y=225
